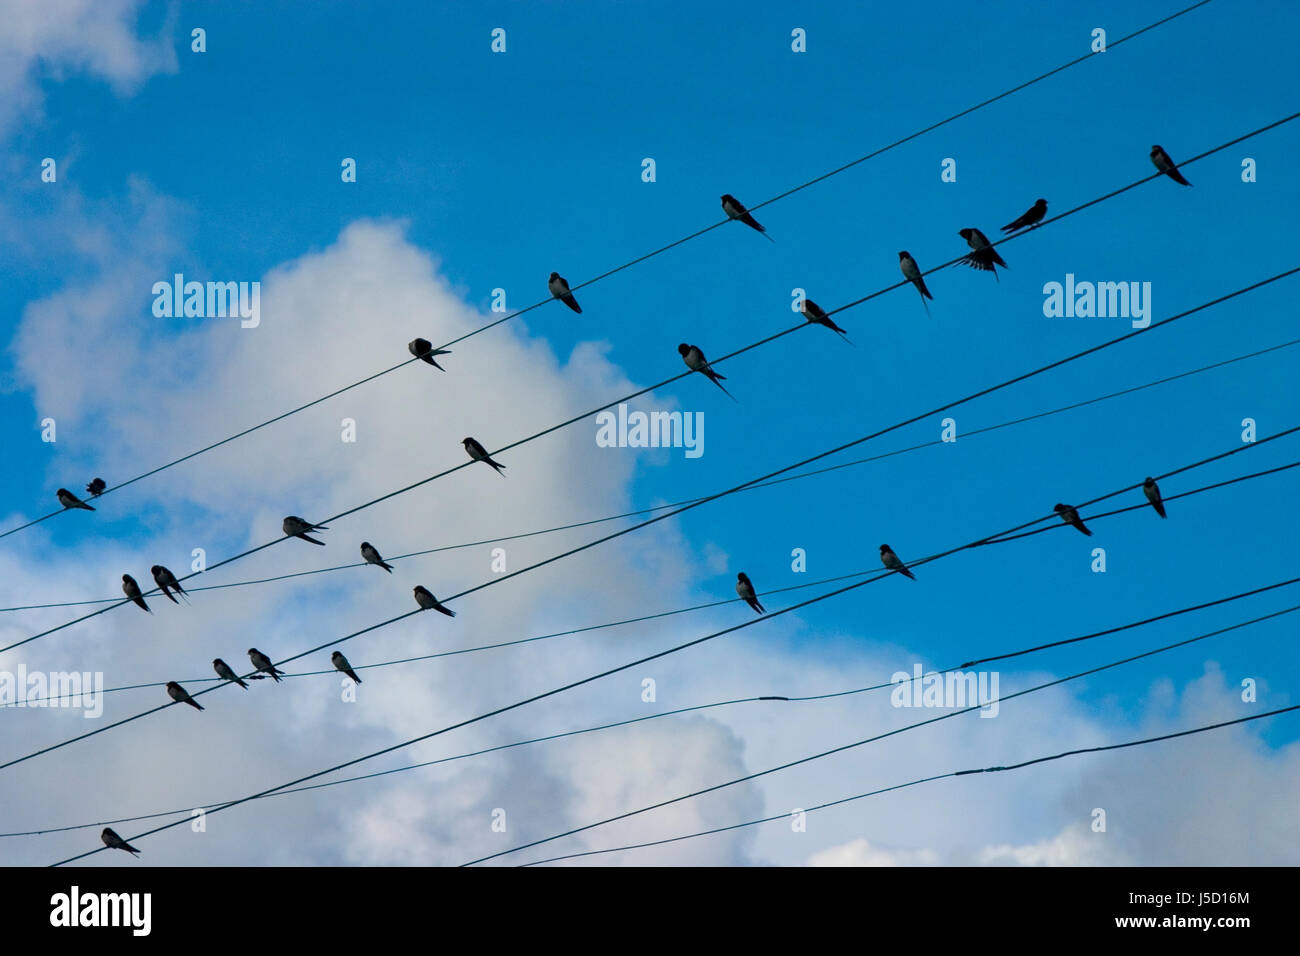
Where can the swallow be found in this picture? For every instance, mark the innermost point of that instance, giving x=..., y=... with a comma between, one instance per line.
x=816, y=314
x=263, y=664
x=891, y=561
x=96, y=487
x=427, y=601
x=1071, y=517
x=745, y=588
x=912, y=273
x=1032, y=217
x=341, y=664
x=69, y=500
x=372, y=556
x=296, y=527
x=179, y=694
x=225, y=673
x=479, y=453
x=1167, y=165
x=132, y=590
x=735, y=209
x=1152, y=491
x=423, y=350
x=560, y=290
x=696, y=362
x=115, y=842
x=985, y=257
x=166, y=580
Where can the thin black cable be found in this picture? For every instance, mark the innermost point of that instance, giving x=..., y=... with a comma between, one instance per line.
x=740, y=351
x=890, y=733
x=643, y=511
x=35, y=701
x=913, y=783
x=639, y=259
x=670, y=713
x=513, y=706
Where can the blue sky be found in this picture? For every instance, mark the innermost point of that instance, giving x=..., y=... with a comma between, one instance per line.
x=505, y=167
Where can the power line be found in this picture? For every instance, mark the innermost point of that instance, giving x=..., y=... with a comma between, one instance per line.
x=913, y=783
x=740, y=351
x=889, y=733
x=644, y=511
x=670, y=713
x=30, y=701
x=633, y=262
x=517, y=704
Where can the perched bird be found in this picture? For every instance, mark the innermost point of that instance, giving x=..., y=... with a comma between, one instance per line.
x=745, y=588
x=1032, y=217
x=424, y=597
x=263, y=664
x=115, y=842
x=341, y=664
x=1152, y=491
x=912, y=273
x=179, y=694
x=225, y=673
x=96, y=487
x=891, y=561
x=696, y=362
x=372, y=556
x=423, y=350
x=560, y=290
x=1071, y=517
x=479, y=453
x=132, y=590
x=985, y=257
x=296, y=527
x=1167, y=165
x=69, y=500
x=816, y=314
x=735, y=209
x=166, y=580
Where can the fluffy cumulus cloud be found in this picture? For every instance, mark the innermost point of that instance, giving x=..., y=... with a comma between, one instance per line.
x=52, y=39
x=162, y=387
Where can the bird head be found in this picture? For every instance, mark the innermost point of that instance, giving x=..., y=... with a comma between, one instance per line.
x=884, y=548
x=126, y=578
x=1040, y=203
x=683, y=349
x=1058, y=508
x=335, y=656
x=155, y=569
x=965, y=233
x=904, y=255
x=365, y=544
x=554, y=276
x=1148, y=482
x=466, y=441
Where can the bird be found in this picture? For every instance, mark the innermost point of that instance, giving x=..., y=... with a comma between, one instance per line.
x=96, y=487
x=891, y=561
x=816, y=314
x=696, y=362
x=912, y=273
x=424, y=597
x=225, y=673
x=115, y=842
x=132, y=590
x=263, y=664
x=1167, y=165
x=69, y=500
x=745, y=588
x=423, y=350
x=1032, y=217
x=166, y=580
x=341, y=664
x=1071, y=517
x=735, y=209
x=297, y=528
x=1152, y=491
x=479, y=453
x=372, y=556
x=179, y=694
x=560, y=289
x=985, y=257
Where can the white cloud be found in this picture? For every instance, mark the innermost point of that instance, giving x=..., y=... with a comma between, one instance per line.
x=51, y=39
